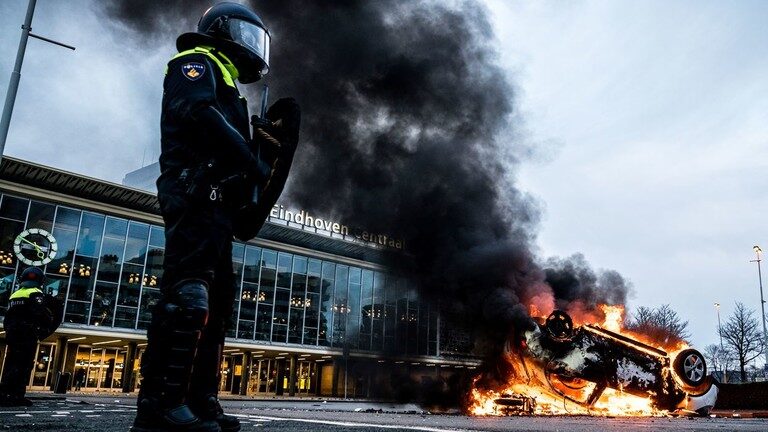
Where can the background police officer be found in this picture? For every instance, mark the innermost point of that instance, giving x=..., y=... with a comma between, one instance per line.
x=31, y=316
x=214, y=180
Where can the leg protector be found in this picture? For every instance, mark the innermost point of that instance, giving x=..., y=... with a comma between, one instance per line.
x=206, y=374
x=177, y=322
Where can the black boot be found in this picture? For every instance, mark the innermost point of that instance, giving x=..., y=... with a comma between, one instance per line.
x=209, y=409
x=153, y=417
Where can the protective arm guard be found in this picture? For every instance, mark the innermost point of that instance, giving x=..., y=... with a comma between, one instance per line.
x=235, y=147
x=277, y=145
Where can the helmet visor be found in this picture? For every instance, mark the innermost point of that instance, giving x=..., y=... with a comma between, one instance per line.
x=253, y=37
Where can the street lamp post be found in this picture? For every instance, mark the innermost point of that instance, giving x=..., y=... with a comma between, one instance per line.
x=722, y=350
x=13, y=86
x=758, y=251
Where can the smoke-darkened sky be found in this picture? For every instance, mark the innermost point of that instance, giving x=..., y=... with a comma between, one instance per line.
x=641, y=129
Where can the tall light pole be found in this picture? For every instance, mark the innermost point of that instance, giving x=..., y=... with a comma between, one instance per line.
x=13, y=86
x=758, y=251
x=722, y=350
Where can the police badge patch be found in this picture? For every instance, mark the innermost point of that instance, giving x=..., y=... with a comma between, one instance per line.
x=193, y=70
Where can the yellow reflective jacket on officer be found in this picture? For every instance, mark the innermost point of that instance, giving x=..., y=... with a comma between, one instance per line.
x=23, y=296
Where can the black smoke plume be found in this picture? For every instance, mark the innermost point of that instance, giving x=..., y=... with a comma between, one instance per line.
x=408, y=129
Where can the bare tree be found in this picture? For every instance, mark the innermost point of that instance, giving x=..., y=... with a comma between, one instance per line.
x=713, y=355
x=742, y=333
x=719, y=359
x=661, y=324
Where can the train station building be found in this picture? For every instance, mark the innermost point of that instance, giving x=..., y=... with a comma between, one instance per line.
x=317, y=313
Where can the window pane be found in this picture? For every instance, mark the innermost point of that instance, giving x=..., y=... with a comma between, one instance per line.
x=8, y=232
x=125, y=317
x=154, y=268
x=366, y=309
x=252, y=264
x=310, y=336
x=268, y=268
x=267, y=277
x=378, y=312
x=279, y=333
x=67, y=218
x=295, y=327
x=136, y=246
x=56, y=286
x=14, y=208
x=157, y=236
x=340, y=306
x=312, y=310
x=245, y=330
x=116, y=228
x=282, y=299
x=111, y=259
x=237, y=260
x=263, y=322
x=83, y=279
x=248, y=302
x=77, y=312
x=103, y=304
x=130, y=284
x=284, y=270
x=313, y=267
x=326, y=303
x=65, y=239
x=91, y=229
x=313, y=284
x=41, y=216
x=299, y=264
x=149, y=298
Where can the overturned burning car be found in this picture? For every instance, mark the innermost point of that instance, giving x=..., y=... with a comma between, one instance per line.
x=578, y=364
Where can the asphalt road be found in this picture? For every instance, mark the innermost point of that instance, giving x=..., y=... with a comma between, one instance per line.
x=116, y=412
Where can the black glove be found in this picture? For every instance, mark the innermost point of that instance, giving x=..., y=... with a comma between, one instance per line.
x=278, y=133
x=285, y=115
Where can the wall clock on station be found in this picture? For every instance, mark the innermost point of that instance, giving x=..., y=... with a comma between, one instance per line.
x=35, y=247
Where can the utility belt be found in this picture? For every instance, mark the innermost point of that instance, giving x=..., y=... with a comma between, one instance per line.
x=203, y=183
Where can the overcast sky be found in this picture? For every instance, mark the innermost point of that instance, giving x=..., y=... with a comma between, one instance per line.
x=650, y=121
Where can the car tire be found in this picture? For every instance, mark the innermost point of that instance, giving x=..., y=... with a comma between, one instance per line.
x=559, y=326
x=691, y=367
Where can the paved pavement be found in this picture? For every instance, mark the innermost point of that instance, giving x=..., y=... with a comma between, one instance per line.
x=115, y=413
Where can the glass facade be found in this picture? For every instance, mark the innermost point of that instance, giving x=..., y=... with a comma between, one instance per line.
x=108, y=269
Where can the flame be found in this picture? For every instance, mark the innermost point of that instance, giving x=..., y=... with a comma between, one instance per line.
x=614, y=317
x=538, y=386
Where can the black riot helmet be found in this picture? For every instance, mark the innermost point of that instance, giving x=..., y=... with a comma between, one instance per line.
x=239, y=33
x=31, y=277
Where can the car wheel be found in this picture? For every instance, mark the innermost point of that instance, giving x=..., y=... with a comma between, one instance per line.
x=559, y=325
x=690, y=367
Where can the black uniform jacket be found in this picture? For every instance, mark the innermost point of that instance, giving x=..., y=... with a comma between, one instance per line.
x=203, y=120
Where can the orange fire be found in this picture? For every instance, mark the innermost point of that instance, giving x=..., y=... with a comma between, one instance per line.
x=537, y=385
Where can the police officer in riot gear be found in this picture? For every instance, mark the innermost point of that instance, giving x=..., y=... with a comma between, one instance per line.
x=31, y=317
x=217, y=179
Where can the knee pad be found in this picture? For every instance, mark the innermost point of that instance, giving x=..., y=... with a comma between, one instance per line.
x=188, y=304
